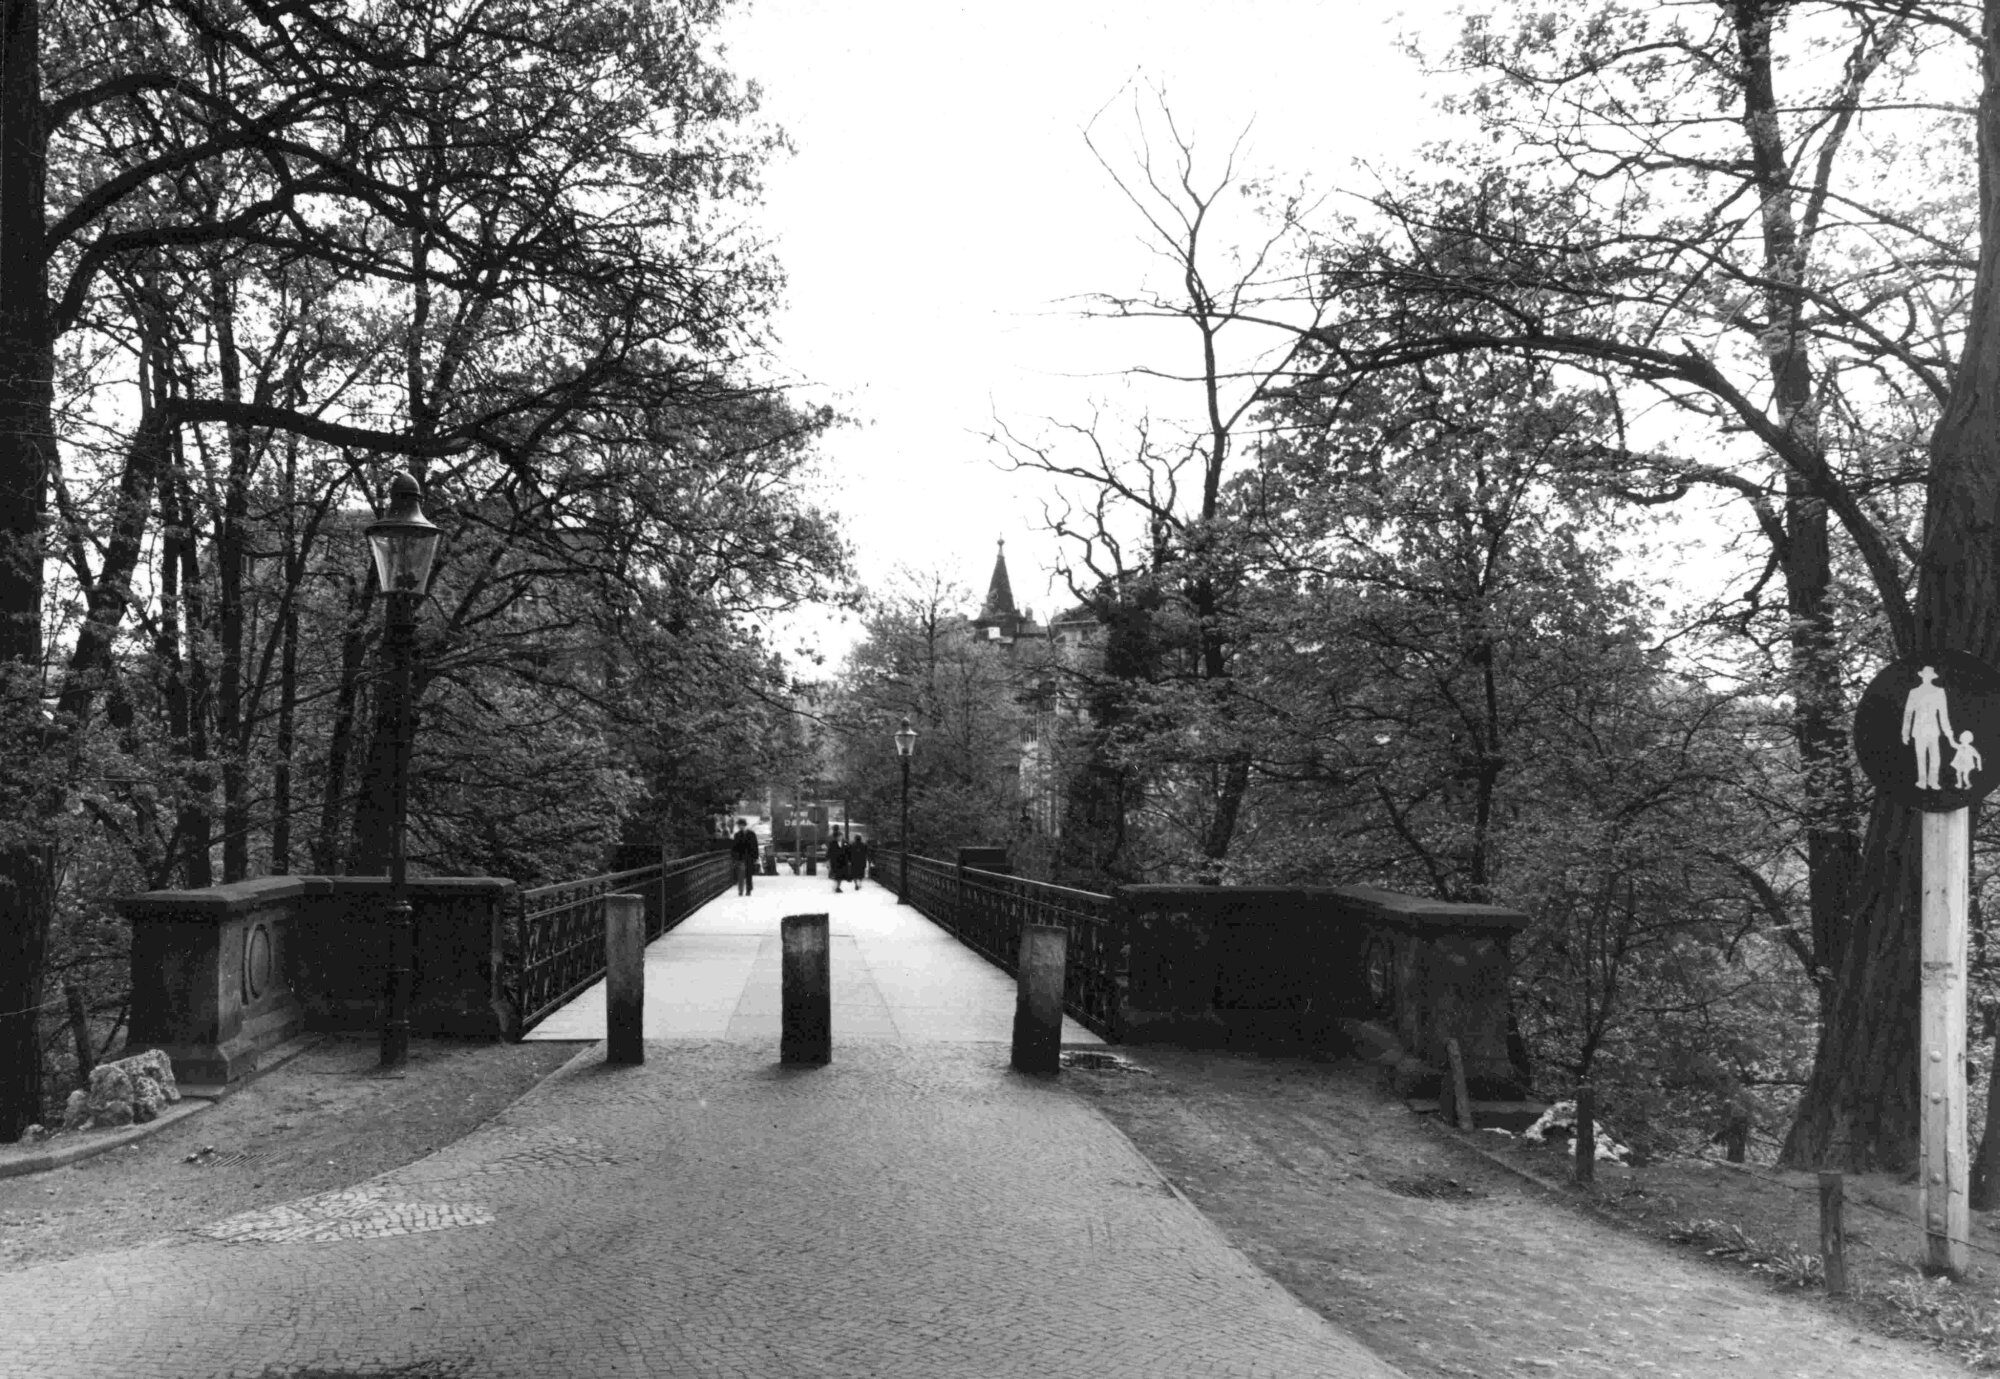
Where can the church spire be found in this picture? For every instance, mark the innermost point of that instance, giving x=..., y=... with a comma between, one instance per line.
x=1000, y=593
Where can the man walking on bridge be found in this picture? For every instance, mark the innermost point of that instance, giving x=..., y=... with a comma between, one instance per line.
x=743, y=851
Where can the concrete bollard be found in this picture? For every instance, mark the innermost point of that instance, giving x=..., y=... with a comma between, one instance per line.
x=807, y=1032
x=624, y=978
x=1038, y=998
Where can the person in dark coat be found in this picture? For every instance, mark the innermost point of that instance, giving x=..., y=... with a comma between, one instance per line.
x=836, y=859
x=857, y=861
x=743, y=853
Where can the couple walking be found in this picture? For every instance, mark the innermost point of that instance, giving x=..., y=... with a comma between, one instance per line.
x=848, y=861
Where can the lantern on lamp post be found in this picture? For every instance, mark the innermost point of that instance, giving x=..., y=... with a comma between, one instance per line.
x=403, y=542
x=906, y=743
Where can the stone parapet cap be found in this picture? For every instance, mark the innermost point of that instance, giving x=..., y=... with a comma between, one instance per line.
x=220, y=902
x=1419, y=912
x=1368, y=902
x=217, y=903
x=421, y=885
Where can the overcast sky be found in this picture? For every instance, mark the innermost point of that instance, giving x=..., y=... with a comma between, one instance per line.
x=942, y=211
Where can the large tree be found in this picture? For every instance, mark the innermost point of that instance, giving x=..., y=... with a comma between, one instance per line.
x=281, y=249
x=1745, y=212
x=27, y=443
x=1144, y=507
x=920, y=657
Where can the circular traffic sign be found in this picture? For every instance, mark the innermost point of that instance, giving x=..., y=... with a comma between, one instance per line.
x=1927, y=730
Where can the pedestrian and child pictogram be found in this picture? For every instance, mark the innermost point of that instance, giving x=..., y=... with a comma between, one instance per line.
x=1923, y=729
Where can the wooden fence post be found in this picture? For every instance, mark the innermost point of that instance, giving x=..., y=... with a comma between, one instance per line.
x=1832, y=1240
x=1586, y=1134
x=624, y=978
x=806, y=1034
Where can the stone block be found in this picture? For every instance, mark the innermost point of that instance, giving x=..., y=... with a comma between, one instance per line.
x=1258, y=966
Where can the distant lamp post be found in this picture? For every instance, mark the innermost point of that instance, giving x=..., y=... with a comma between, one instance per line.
x=404, y=542
x=906, y=743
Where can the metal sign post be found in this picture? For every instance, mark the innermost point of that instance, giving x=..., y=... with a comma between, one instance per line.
x=1923, y=732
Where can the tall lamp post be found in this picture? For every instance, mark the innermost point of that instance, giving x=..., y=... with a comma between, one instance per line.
x=906, y=743
x=403, y=541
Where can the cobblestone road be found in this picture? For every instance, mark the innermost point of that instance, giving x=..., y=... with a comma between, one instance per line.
x=912, y=1209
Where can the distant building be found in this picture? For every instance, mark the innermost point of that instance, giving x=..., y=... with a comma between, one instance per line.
x=1042, y=658
x=1001, y=623
x=1034, y=663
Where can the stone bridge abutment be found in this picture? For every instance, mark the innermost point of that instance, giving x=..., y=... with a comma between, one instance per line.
x=224, y=975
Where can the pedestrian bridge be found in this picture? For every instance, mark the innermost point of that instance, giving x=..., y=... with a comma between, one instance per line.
x=914, y=1210
x=223, y=975
x=897, y=977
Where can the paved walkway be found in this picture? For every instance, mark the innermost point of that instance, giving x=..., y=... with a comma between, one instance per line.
x=896, y=975
x=913, y=1209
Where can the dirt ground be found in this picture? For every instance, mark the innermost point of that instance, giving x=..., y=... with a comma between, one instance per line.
x=326, y=1119
x=1448, y=1265
x=1767, y=1220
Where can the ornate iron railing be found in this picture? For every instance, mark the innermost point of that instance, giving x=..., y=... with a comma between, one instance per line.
x=934, y=889
x=985, y=911
x=556, y=945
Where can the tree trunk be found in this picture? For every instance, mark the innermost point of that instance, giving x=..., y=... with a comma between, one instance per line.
x=1232, y=779
x=1860, y=1111
x=1984, y=1194
x=231, y=722
x=374, y=807
x=329, y=847
x=368, y=850
x=1819, y=728
x=1232, y=785
x=27, y=445
x=186, y=693
x=288, y=674
x=91, y=665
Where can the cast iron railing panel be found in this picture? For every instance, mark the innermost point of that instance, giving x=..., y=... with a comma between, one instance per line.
x=985, y=911
x=556, y=947
x=934, y=890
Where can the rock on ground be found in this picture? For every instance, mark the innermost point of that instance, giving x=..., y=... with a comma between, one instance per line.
x=128, y=1091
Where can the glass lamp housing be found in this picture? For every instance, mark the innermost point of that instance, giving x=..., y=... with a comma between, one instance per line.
x=403, y=540
x=906, y=739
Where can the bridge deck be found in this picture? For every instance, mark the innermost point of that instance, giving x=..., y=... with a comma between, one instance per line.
x=896, y=976
x=912, y=1211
